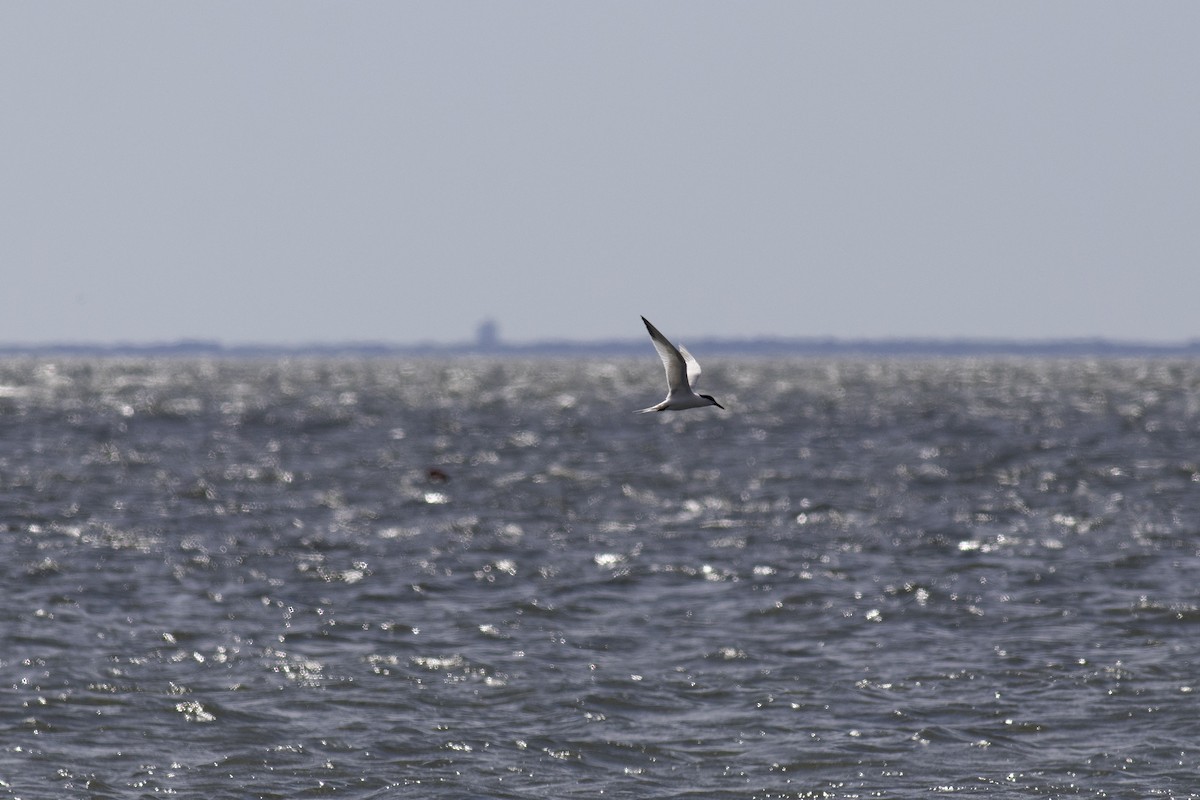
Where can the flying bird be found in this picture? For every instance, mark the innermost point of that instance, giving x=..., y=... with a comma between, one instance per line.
x=682, y=373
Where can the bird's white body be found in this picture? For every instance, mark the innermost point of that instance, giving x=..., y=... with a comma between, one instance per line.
x=683, y=372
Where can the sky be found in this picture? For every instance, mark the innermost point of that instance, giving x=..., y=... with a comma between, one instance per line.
x=300, y=172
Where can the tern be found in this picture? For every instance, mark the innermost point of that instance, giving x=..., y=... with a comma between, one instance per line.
x=682, y=373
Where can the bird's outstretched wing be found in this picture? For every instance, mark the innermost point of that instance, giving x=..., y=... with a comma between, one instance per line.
x=678, y=370
x=693, y=366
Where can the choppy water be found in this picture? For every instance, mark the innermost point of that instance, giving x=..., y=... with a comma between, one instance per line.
x=866, y=579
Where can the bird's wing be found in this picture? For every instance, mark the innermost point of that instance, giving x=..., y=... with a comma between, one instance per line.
x=677, y=370
x=693, y=366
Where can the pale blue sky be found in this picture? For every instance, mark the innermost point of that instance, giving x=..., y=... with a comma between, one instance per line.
x=283, y=172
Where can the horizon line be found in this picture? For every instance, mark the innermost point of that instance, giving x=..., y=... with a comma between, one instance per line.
x=491, y=345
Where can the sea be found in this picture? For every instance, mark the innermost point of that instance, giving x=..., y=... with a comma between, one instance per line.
x=485, y=577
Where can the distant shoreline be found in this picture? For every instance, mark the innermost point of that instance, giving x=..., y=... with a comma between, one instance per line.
x=815, y=347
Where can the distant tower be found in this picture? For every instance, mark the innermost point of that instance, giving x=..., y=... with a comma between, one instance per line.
x=487, y=335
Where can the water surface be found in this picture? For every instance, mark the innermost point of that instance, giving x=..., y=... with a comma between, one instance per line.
x=488, y=578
